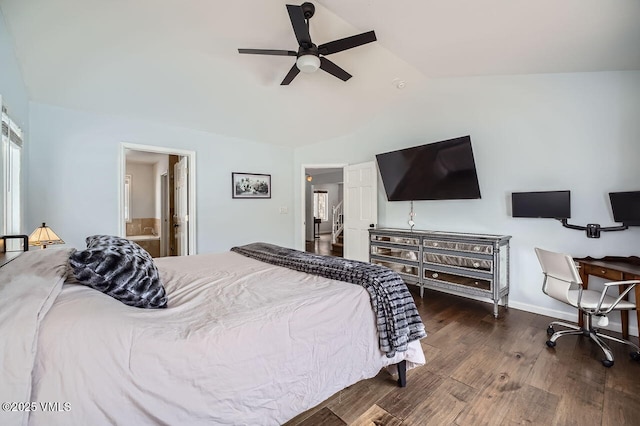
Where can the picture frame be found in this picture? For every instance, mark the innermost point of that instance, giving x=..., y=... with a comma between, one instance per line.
x=250, y=185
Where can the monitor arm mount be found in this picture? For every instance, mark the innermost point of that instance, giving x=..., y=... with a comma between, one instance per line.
x=593, y=229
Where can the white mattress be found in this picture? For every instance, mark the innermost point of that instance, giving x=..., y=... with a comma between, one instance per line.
x=241, y=342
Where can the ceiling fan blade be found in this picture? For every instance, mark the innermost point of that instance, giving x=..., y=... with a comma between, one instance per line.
x=290, y=75
x=346, y=43
x=334, y=70
x=300, y=27
x=268, y=52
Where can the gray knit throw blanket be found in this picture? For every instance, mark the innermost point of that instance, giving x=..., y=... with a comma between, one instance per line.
x=398, y=320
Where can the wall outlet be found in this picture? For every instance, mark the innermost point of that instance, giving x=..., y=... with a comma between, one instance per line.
x=284, y=210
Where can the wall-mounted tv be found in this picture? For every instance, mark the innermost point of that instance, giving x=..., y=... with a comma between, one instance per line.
x=626, y=207
x=443, y=170
x=547, y=204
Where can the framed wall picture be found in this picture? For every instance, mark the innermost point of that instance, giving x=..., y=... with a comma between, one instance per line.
x=250, y=185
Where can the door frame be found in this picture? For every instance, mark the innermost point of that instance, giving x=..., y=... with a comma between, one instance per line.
x=164, y=214
x=191, y=155
x=303, y=191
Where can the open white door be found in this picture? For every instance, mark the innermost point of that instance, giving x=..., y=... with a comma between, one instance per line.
x=181, y=215
x=360, y=209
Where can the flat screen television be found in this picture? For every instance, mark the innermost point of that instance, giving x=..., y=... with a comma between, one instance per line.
x=626, y=207
x=547, y=204
x=443, y=170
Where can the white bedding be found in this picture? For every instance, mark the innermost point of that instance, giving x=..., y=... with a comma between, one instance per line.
x=241, y=342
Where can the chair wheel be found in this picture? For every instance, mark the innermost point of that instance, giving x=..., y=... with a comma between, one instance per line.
x=607, y=363
x=635, y=356
x=551, y=344
x=550, y=331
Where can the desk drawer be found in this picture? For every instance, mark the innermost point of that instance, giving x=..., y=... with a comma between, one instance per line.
x=602, y=272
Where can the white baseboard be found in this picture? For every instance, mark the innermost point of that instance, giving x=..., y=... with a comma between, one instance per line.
x=614, y=326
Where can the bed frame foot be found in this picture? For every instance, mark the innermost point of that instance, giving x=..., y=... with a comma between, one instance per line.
x=402, y=373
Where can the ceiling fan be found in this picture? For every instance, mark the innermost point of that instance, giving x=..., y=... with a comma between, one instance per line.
x=310, y=57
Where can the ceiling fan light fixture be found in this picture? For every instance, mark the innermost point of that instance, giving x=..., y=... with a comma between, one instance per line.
x=308, y=63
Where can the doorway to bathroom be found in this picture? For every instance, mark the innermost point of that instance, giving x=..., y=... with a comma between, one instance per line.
x=157, y=203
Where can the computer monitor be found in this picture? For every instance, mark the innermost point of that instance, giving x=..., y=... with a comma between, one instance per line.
x=626, y=207
x=544, y=204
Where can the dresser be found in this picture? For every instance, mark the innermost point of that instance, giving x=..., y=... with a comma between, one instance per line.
x=463, y=264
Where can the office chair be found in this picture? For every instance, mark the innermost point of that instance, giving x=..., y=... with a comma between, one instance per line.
x=562, y=282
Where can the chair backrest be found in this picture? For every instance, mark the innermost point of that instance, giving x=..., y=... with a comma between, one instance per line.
x=560, y=273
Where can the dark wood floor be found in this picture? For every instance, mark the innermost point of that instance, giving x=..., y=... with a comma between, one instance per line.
x=483, y=371
x=322, y=245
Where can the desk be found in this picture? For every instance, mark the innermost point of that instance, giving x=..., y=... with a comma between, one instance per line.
x=612, y=269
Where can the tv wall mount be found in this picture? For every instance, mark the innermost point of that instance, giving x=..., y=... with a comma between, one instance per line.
x=593, y=229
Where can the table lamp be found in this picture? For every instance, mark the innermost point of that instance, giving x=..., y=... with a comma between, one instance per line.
x=44, y=236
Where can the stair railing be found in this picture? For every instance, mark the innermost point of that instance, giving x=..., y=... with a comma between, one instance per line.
x=337, y=222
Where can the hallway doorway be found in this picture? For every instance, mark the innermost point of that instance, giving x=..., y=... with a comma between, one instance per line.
x=323, y=214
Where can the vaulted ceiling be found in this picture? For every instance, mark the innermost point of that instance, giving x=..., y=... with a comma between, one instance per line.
x=176, y=61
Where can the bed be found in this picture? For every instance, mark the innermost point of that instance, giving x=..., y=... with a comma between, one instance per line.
x=241, y=341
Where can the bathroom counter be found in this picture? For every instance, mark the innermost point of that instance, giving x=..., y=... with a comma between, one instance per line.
x=151, y=243
x=143, y=237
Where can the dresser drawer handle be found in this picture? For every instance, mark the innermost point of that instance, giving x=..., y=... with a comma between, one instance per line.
x=604, y=271
x=476, y=248
x=476, y=265
x=435, y=244
x=434, y=275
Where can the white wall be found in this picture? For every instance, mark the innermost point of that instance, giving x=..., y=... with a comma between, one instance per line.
x=79, y=196
x=536, y=132
x=143, y=190
x=12, y=87
x=330, y=177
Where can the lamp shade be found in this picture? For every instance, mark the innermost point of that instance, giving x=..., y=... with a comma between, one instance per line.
x=308, y=63
x=44, y=236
